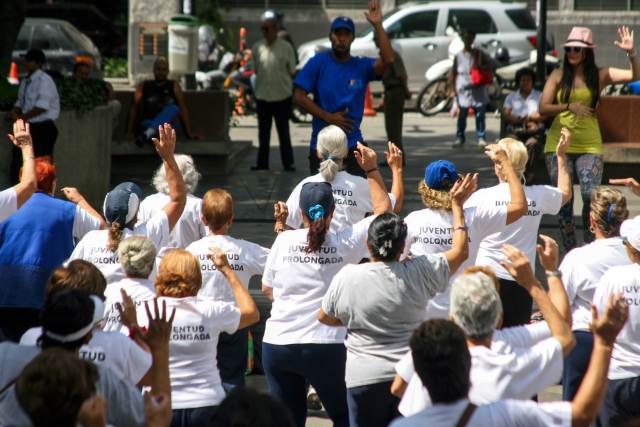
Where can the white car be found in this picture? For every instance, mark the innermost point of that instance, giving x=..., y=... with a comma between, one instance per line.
x=421, y=33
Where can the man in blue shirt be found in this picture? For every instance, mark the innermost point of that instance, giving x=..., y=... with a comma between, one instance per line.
x=339, y=81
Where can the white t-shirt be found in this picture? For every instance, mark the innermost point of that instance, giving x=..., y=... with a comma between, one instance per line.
x=195, y=380
x=8, y=203
x=93, y=246
x=112, y=349
x=140, y=290
x=504, y=413
x=625, y=359
x=429, y=232
x=189, y=227
x=245, y=258
x=582, y=268
x=523, y=233
x=521, y=362
x=352, y=197
x=300, y=281
x=83, y=223
x=521, y=107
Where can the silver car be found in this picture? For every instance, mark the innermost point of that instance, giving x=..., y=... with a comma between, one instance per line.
x=421, y=33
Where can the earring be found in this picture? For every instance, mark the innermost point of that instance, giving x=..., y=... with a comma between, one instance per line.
x=592, y=229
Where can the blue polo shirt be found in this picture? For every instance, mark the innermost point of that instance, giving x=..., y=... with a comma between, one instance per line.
x=337, y=86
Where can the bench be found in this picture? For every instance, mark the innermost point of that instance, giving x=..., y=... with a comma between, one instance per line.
x=214, y=153
x=619, y=119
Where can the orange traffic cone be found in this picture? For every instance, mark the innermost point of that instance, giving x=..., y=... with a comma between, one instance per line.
x=243, y=38
x=13, y=74
x=368, y=103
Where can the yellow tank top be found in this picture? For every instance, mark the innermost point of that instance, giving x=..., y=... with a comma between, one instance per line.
x=585, y=132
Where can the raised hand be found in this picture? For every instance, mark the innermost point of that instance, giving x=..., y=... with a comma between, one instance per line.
x=496, y=153
x=166, y=146
x=127, y=310
x=463, y=188
x=625, y=39
x=565, y=141
x=615, y=316
x=366, y=157
x=21, y=134
x=519, y=267
x=548, y=253
x=393, y=156
x=219, y=258
x=159, y=329
x=629, y=182
x=72, y=194
x=280, y=211
x=374, y=15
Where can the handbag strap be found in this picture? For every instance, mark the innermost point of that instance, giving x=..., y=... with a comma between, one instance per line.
x=466, y=415
x=9, y=384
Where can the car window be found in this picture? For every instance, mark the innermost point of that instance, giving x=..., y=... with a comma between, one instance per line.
x=521, y=18
x=24, y=37
x=77, y=40
x=45, y=37
x=419, y=24
x=476, y=20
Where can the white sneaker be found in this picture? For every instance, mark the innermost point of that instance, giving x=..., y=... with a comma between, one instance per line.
x=459, y=143
x=482, y=143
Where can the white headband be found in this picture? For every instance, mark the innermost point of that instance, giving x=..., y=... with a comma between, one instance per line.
x=98, y=314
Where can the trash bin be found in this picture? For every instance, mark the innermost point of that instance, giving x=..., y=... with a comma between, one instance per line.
x=183, y=44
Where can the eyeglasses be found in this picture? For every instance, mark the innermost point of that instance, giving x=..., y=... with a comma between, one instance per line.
x=574, y=49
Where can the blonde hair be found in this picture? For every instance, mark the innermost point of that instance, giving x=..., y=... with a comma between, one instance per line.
x=217, y=208
x=115, y=236
x=137, y=255
x=517, y=154
x=434, y=199
x=178, y=275
x=188, y=170
x=333, y=147
x=608, y=210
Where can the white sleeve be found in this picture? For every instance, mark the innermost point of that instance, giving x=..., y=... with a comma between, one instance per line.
x=30, y=337
x=270, y=265
x=551, y=200
x=523, y=336
x=508, y=103
x=331, y=299
x=83, y=223
x=78, y=251
x=8, y=203
x=536, y=368
x=294, y=220
x=567, y=268
x=485, y=218
x=139, y=361
x=601, y=295
x=157, y=229
x=525, y=413
x=226, y=316
x=354, y=238
x=404, y=368
x=257, y=258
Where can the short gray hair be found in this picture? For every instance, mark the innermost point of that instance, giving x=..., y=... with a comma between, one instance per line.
x=332, y=147
x=137, y=255
x=475, y=305
x=187, y=167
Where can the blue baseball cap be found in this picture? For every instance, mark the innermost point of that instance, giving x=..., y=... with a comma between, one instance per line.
x=440, y=175
x=343, y=22
x=316, y=199
x=122, y=203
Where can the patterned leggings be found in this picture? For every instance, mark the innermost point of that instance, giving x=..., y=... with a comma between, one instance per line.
x=589, y=168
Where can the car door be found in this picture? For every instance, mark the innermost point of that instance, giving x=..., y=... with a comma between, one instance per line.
x=477, y=20
x=414, y=38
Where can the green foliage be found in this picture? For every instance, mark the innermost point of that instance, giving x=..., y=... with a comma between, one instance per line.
x=82, y=96
x=115, y=67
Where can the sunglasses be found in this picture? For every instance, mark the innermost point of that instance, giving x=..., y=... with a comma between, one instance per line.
x=574, y=49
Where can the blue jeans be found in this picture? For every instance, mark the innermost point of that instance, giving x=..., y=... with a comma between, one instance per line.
x=589, y=169
x=288, y=368
x=576, y=364
x=372, y=405
x=232, y=358
x=193, y=417
x=169, y=114
x=620, y=403
x=480, y=113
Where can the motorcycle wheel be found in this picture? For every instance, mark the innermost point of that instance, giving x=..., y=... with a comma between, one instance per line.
x=434, y=98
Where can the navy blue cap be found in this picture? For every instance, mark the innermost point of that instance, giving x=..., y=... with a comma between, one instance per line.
x=121, y=204
x=440, y=175
x=316, y=199
x=343, y=22
x=35, y=55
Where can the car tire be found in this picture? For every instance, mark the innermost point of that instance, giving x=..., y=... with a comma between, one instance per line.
x=434, y=97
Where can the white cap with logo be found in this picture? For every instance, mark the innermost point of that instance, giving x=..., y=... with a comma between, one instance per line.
x=630, y=231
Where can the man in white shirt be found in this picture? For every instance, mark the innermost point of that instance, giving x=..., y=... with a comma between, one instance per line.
x=512, y=363
x=274, y=62
x=442, y=360
x=623, y=388
x=39, y=104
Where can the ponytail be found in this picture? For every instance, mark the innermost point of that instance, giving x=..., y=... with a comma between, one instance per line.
x=316, y=234
x=115, y=236
x=329, y=168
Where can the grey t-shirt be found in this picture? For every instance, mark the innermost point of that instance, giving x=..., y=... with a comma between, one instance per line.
x=381, y=303
x=125, y=405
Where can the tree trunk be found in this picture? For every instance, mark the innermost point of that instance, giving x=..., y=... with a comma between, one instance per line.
x=12, y=14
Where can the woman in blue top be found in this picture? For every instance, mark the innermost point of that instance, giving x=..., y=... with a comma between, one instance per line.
x=339, y=81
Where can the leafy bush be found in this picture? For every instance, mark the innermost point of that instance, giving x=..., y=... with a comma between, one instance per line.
x=115, y=67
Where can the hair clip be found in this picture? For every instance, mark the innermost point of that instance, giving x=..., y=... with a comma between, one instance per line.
x=315, y=212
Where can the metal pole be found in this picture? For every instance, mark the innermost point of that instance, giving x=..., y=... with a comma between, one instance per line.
x=541, y=68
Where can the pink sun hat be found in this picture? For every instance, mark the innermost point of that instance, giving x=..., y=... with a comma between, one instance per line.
x=580, y=37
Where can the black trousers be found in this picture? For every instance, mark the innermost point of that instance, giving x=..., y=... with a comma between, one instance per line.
x=267, y=112
x=516, y=304
x=44, y=135
x=351, y=164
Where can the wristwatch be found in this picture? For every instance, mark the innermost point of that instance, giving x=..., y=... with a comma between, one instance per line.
x=556, y=273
